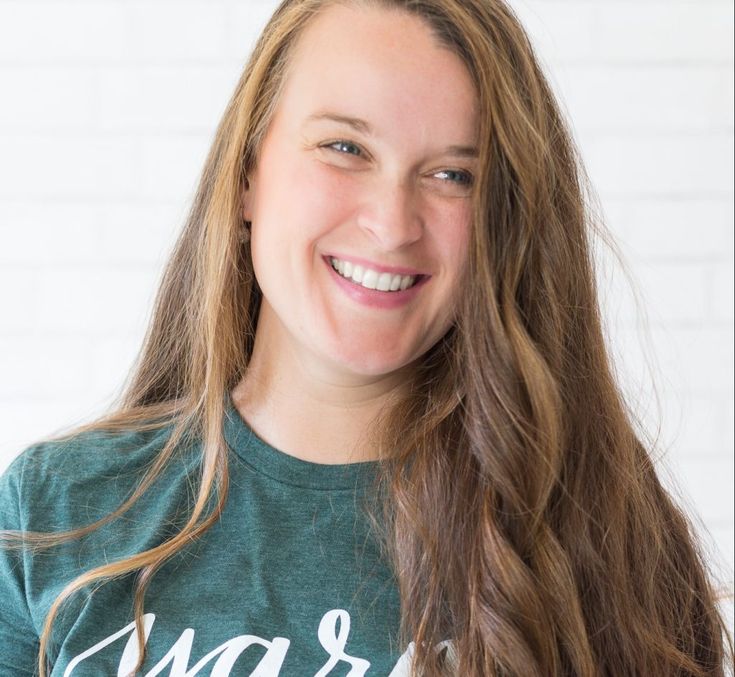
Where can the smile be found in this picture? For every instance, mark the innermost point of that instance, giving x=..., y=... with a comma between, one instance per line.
x=372, y=279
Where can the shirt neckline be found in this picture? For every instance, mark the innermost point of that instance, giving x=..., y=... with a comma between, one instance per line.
x=288, y=469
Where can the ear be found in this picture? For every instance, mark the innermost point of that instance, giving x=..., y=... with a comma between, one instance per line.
x=246, y=199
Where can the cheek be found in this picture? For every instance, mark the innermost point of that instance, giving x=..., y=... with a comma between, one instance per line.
x=308, y=197
x=326, y=192
x=453, y=236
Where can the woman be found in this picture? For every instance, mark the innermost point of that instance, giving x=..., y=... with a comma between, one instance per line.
x=373, y=428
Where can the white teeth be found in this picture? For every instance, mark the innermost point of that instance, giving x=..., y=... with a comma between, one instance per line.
x=384, y=281
x=357, y=274
x=371, y=279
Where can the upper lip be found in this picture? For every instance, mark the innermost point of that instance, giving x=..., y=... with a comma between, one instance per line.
x=378, y=267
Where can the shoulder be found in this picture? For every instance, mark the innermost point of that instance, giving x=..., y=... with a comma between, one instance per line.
x=83, y=474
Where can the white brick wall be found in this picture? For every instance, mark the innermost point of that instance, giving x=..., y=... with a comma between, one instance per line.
x=108, y=108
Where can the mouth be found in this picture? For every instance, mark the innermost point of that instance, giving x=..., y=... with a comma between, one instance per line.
x=369, y=278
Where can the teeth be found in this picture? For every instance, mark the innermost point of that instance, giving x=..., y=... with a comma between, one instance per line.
x=384, y=281
x=371, y=279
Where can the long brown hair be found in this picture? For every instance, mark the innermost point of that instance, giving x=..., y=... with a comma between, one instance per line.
x=523, y=515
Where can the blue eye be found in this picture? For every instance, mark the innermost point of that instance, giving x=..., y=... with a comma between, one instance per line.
x=344, y=144
x=461, y=178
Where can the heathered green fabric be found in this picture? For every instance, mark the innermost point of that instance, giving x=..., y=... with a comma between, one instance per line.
x=288, y=583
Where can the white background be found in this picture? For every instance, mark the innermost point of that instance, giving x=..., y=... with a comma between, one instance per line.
x=107, y=108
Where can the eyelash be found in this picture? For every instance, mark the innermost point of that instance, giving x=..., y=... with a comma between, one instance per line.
x=467, y=181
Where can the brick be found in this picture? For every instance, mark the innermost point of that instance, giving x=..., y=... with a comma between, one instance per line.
x=48, y=98
x=38, y=367
x=700, y=358
x=35, y=234
x=164, y=32
x=668, y=98
x=619, y=288
x=721, y=298
x=695, y=424
x=559, y=30
x=674, y=291
x=92, y=302
x=56, y=32
x=245, y=22
x=111, y=361
x=69, y=166
x=20, y=425
x=694, y=360
x=729, y=405
x=172, y=165
x=163, y=99
x=657, y=229
x=30, y=419
x=664, y=31
x=708, y=366
x=19, y=300
x=661, y=31
x=671, y=165
x=707, y=485
x=140, y=233
x=686, y=425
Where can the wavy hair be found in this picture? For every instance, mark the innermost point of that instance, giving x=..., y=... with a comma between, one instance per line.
x=523, y=516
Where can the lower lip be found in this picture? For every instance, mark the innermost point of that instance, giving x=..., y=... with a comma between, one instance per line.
x=373, y=297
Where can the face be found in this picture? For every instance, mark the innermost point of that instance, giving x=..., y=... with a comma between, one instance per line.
x=368, y=165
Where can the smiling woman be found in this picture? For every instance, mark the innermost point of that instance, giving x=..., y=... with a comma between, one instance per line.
x=375, y=193
x=373, y=428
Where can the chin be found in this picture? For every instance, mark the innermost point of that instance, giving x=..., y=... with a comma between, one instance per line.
x=375, y=364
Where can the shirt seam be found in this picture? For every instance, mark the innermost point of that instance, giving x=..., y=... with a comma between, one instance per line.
x=259, y=470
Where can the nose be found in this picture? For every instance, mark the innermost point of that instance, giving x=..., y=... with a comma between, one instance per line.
x=391, y=214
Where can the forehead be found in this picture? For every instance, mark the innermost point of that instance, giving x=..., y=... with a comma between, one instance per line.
x=383, y=65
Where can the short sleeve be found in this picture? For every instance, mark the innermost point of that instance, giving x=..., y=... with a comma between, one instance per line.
x=18, y=636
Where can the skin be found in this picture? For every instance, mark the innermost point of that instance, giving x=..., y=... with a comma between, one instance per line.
x=324, y=364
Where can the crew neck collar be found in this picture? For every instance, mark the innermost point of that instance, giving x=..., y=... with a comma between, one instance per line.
x=288, y=469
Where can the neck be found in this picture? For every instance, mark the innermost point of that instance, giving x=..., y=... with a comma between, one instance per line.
x=308, y=408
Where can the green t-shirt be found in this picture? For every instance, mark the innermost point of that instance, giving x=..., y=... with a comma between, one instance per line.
x=289, y=582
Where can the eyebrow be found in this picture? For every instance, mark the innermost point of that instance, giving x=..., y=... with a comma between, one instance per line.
x=365, y=128
x=355, y=123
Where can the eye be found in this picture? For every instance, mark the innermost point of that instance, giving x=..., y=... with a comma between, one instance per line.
x=346, y=147
x=457, y=176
